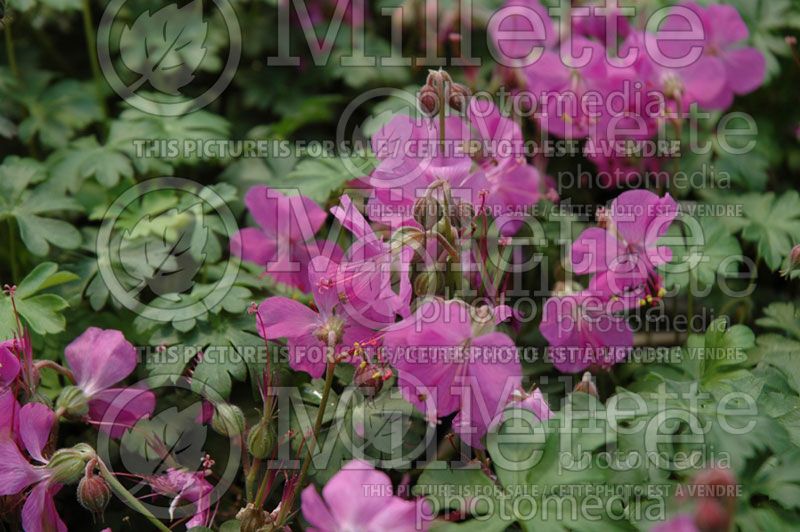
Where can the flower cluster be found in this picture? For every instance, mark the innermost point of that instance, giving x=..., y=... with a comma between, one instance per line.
x=622, y=88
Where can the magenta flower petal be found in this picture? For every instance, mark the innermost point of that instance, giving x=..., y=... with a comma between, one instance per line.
x=307, y=353
x=9, y=365
x=347, y=493
x=118, y=409
x=494, y=373
x=100, y=358
x=39, y=513
x=281, y=317
x=594, y=250
x=9, y=414
x=253, y=245
x=746, y=69
x=679, y=523
x=35, y=423
x=640, y=216
x=358, y=497
x=16, y=473
x=315, y=511
x=352, y=220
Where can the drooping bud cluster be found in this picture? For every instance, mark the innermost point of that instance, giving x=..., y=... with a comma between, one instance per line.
x=438, y=88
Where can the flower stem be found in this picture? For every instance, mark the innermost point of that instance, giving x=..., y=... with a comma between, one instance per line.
x=125, y=495
x=12, y=249
x=91, y=46
x=12, y=58
x=312, y=443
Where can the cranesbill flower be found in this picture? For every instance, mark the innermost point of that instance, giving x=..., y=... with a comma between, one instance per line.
x=18, y=474
x=625, y=254
x=99, y=359
x=725, y=36
x=312, y=335
x=700, y=82
x=570, y=92
x=371, y=281
x=359, y=497
x=582, y=333
x=281, y=242
x=451, y=359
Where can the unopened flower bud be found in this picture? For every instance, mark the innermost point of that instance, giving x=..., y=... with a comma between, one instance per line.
x=227, y=420
x=428, y=101
x=427, y=211
x=711, y=516
x=252, y=519
x=261, y=439
x=73, y=402
x=458, y=97
x=586, y=385
x=67, y=465
x=794, y=261
x=427, y=283
x=94, y=494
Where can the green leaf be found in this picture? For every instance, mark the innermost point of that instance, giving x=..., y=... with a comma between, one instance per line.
x=57, y=112
x=317, y=178
x=712, y=251
x=85, y=158
x=782, y=316
x=773, y=224
x=41, y=312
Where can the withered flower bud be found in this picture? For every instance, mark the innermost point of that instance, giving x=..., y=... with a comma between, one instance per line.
x=586, y=385
x=458, y=97
x=252, y=519
x=427, y=211
x=428, y=100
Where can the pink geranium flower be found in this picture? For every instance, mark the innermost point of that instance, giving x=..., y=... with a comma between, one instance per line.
x=625, y=254
x=281, y=243
x=682, y=83
x=99, y=359
x=372, y=283
x=569, y=91
x=361, y=498
x=451, y=359
x=582, y=333
x=312, y=333
x=18, y=474
x=725, y=38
